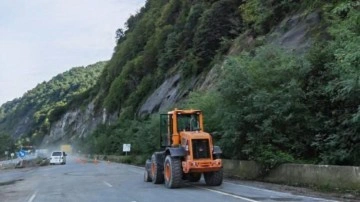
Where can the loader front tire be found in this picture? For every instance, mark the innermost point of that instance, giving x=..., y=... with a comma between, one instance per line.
x=214, y=178
x=172, y=172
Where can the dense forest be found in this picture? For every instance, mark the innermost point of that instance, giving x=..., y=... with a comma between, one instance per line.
x=266, y=102
x=28, y=118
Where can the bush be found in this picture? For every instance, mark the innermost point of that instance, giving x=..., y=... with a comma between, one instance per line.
x=6, y=144
x=127, y=159
x=264, y=104
x=337, y=83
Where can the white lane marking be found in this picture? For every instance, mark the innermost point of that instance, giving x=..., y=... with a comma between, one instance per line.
x=226, y=194
x=32, y=197
x=318, y=199
x=107, y=184
x=279, y=193
x=240, y=185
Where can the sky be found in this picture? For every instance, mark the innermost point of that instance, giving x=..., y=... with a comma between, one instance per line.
x=42, y=38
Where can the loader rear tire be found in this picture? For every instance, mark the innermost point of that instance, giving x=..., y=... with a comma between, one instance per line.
x=172, y=172
x=214, y=178
x=147, y=177
x=157, y=175
x=147, y=173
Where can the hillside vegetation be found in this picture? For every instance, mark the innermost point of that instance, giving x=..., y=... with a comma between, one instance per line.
x=268, y=104
x=30, y=116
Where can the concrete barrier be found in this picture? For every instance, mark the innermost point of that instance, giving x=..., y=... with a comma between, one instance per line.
x=9, y=164
x=336, y=177
x=22, y=163
x=247, y=170
x=325, y=176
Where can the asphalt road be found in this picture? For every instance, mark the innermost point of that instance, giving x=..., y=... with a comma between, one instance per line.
x=104, y=181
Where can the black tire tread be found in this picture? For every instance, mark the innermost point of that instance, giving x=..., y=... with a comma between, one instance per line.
x=176, y=172
x=158, y=178
x=147, y=177
x=214, y=178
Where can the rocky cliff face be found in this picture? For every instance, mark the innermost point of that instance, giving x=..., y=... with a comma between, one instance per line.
x=166, y=95
x=77, y=123
x=293, y=33
x=296, y=32
x=23, y=126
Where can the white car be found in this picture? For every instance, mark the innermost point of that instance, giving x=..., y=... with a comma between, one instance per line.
x=58, y=157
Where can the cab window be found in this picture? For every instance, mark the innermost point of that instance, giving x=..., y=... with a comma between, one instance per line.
x=188, y=122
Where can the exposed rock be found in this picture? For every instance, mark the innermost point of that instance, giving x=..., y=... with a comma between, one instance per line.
x=166, y=95
x=295, y=32
x=76, y=124
x=210, y=79
x=23, y=126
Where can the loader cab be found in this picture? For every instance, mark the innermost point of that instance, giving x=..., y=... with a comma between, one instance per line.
x=176, y=121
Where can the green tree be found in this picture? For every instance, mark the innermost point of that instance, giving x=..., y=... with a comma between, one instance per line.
x=336, y=80
x=6, y=144
x=261, y=16
x=222, y=20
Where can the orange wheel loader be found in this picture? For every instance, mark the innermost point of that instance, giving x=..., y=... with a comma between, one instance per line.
x=188, y=152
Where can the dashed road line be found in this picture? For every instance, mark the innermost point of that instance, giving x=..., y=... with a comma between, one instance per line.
x=32, y=197
x=318, y=199
x=107, y=184
x=226, y=194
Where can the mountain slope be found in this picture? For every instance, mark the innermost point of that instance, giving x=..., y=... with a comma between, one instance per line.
x=31, y=115
x=165, y=37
